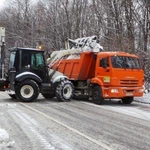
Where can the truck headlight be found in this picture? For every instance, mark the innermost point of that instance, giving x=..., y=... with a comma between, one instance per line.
x=114, y=91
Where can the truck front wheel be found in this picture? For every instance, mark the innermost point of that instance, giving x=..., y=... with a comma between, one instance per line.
x=127, y=100
x=64, y=91
x=27, y=90
x=97, y=95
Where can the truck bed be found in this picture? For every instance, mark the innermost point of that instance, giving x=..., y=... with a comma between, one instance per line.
x=78, y=69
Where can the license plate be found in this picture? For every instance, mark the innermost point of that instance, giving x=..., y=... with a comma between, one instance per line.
x=129, y=94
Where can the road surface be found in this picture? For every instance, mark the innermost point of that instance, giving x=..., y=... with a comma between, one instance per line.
x=76, y=125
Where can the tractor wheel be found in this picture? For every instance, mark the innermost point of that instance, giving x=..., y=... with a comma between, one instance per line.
x=127, y=100
x=13, y=96
x=27, y=90
x=48, y=96
x=97, y=95
x=64, y=91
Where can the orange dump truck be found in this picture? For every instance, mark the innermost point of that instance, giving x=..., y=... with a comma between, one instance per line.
x=104, y=75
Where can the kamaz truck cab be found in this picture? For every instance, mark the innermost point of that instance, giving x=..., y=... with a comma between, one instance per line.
x=28, y=75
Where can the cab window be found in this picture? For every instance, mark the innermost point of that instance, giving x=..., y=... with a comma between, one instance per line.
x=37, y=60
x=104, y=62
x=25, y=59
x=12, y=59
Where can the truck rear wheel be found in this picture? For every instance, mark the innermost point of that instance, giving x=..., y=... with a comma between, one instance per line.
x=127, y=100
x=97, y=95
x=27, y=90
x=64, y=91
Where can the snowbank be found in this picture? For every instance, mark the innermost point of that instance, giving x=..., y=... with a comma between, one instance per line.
x=4, y=140
x=145, y=99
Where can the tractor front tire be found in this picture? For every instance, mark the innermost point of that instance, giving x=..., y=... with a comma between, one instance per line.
x=64, y=91
x=27, y=91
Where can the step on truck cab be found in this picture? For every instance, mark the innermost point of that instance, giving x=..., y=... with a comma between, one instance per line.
x=28, y=75
x=104, y=75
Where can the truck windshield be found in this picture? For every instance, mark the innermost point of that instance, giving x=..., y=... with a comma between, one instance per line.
x=12, y=59
x=125, y=62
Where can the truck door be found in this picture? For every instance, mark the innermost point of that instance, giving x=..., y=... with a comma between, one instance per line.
x=103, y=69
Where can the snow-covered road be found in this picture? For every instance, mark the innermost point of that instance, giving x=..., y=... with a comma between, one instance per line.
x=74, y=125
x=145, y=99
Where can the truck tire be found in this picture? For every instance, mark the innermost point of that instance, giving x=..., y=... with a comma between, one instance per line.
x=27, y=90
x=48, y=96
x=97, y=95
x=127, y=100
x=64, y=91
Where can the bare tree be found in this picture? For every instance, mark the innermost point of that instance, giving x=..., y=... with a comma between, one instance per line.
x=121, y=25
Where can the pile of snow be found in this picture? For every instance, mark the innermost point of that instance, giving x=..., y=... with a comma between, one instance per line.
x=86, y=44
x=75, y=48
x=4, y=140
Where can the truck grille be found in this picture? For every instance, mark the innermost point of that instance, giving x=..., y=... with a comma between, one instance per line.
x=129, y=82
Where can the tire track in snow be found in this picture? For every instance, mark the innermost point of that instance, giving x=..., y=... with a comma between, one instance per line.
x=29, y=126
x=33, y=130
x=105, y=146
x=127, y=110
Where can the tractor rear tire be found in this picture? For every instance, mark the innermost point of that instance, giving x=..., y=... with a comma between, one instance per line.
x=97, y=95
x=64, y=91
x=27, y=91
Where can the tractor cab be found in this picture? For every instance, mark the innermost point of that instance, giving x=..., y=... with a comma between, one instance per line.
x=28, y=61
